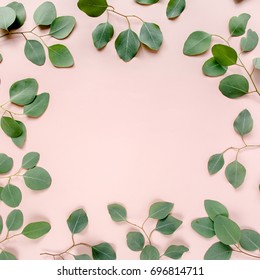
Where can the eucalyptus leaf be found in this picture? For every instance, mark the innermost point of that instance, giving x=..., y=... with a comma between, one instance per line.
x=256, y=62
x=14, y=220
x=37, y=179
x=243, y=124
x=7, y=17
x=249, y=42
x=30, y=160
x=135, y=241
x=168, y=225
x=218, y=251
x=212, y=68
x=215, y=208
x=250, y=240
x=11, y=127
x=117, y=212
x=215, y=163
x=34, y=52
x=146, y=2
x=1, y=58
x=204, y=227
x=77, y=221
x=20, y=15
x=175, y=8
x=36, y=230
x=62, y=27
x=38, y=106
x=45, y=14
x=60, y=56
x=224, y=55
x=160, y=210
x=93, y=8
x=103, y=251
x=150, y=253
x=6, y=256
x=11, y=196
x=234, y=86
x=6, y=163
x=19, y=141
x=1, y=225
x=235, y=173
x=237, y=25
x=82, y=257
x=1, y=189
x=102, y=34
x=151, y=36
x=175, y=252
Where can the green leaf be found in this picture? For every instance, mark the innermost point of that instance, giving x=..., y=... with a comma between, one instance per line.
x=234, y=86
x=204, y=227
x=146, y=2
x=102, y=34
x=1, y=189
x=249, y=42
x=38, y=106
x=215, y=163
x=24, y=91
x=37, y=179
x=235, y=173
x=175, y=252
x=14, y=220
x=20, y=15
x=77, y=221
x=34, y=52
x=45, y=14
x=60, y=56
x=215, y=208
x=175, y=8
x=197, y=43
x=62, y=27
x=6, y=256
x=103, y=251
x=36, y=230
x=19, y=141
x=256, y=63
x=127, y=45
x=117, y=212
x=212, y=68
x=151, y=36
x=6, y=164
x=7, y=17
x=227, y=231
x=243, y=124
x=93, y=8
x=250, y=240
x=82, y=257
x=160, y=210
x=150, y=253
x=11, y=196
x=30, y=160
x=168, y=225
x=218, y=251
x=1, y=225
x=224, y=55
x=237, y=25
x=1, y=58
x=11, y=127
x=135, y=241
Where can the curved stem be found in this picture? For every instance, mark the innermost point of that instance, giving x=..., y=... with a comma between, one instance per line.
x=10, y=112
x=142, y=229
x=9, y=237
x=245, y=253
x=13, y=175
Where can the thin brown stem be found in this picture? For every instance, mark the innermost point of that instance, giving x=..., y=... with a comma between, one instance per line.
x=142, y=229
x=245, y=253
x=9, y=237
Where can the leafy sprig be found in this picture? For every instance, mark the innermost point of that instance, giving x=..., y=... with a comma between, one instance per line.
x=235, y=172
x=224, y=56
x=77, y=222
x=13, y=16
x=231, y=237
x=141, y=240
x=128, y=43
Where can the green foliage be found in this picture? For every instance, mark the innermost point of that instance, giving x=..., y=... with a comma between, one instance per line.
x=160, y=210
x=250, y=42
x=20, y=15
x=45, y=14
x=224, y=55
x=250, y=240
x=243, y=124
x=7, y=17
x=146, y=2
x=135, y=241
x=204, y=227
x=14, y=220
x=256, y=63
x=6, y=256
x=1, y=225
x=235, y=173
x=36, y=230
x=117, y=212
x=93, y=8
x=218, y=251
x=168, y=225
x=6, y=163
x=62, y=27
x=34, y=51
x=60, y=56
x=102, y=35
x=150, y=253
x=20, y=140
x=214, y=208
x=11, y=196
x=37, y=179
x=77, y=221
x=151, y=36
x=234, y=86
x=237, y=25
x=197, y=43
x=10, y=127
x=175, y=252
x=212, y=68
x=30, y=160
x=215, y=163
x=82, y=257
x=103, y=251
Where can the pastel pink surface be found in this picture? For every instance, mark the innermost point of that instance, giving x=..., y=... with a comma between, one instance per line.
x=132, y=133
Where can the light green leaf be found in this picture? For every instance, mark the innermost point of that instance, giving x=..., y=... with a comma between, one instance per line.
x=150, y=253
x=234, y=86
x=36, y=230
x=45, y=14
x=19, y=141
x=77, y=221
x=151, y=36
x=235, y=173
x=256, y=63
x=11, y=127
x=14, y=220
x=204, y=227
x=102, y=34
x=6, y=256
x=30, y=160
x=117, y=212
x=103, y=251
x=249, y=42
x=20, y=15
x=224, y=55
x=34, y=52
x=62, y=27
x=212, y=68
x=7, y=17
x=146, y=2
x=215, y=163
x=175, y=252
x=243, y=124
x=82, y=257
x=93, y=8
x=38, y=106
x=1, y=225
x=175, y=8
x=160, y=210
x=37, y=179
x=250, y=240
x=6, y=164
x=60, y=56
x=168, y=225
x=11, y=196
x=227, y=231
x=215, y=208
x=135, y=241
x=237, y=25
x=218, y=251
x=197, y=43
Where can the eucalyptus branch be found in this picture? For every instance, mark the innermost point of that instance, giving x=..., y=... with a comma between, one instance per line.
x=142, y=229
x=245, y=253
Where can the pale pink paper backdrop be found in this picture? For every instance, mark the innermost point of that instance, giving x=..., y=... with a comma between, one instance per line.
x=132, y=133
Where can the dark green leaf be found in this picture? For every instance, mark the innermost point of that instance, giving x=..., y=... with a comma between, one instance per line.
x=14, y=220
x=102, y=34
x=6, y=256
x=62, y=27
x=1, y=189
x=146, y=2
x=150, y=253
x=224, y=55
x=11, y=196
x=36, y=230
x=234, y=86
x=34, y=51
x=175, y=8
x=117, y=212
x=77, y=221
x=38, y=106
x=45, y=14
x=237, y=25
x=1, y=225
x=235, y=173
x=7, y=17
x=212, y=68
x=1, y=58
x=215, y=208
x=6, y=163
x=243, y=124
x=215, y=163
x=60, y=56
x=168, y=225
x=160, y=210
x=93, y=8
x=11, y=127
x=37, y=179
x=20, y=15
x=175, y=252
x=82, y=257
x=250, y=42
x=204, y=227
x=218, y=251
x=250, y=240
x=30, y=160
x=19, y=141
x=103, y=251
x=135, y=241
x=151, y=36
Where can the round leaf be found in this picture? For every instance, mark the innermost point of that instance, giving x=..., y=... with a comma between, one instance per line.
x=175, y=252
x=243, y=124
x=60, y=56
x=45, y=14
x=234, y=86
x=7, y=17
x=204, y=227
x=82, y=257
x=30, y=160
x=20, y=15
x=235, y=173
x=197, y=43
x=175, y=8
x=103, y=251
x=212, y=68
x=93, y=8
x=146, y=2
x=256, y=63
x=77, y=221
x=36, y=230
x=250, y=240
x=237, y=25
x=6, y=163
x=218, y=251
x=102, y=34
x=215, y=208
x=14, y=220
x=62, y=27
x=6, y=256
x=215, y=163
x=168, y=225
x=38, y=106
x=250, y=42
x=227, y=231
x=11, y=196
x=224, y=55
x=135, y=241
x=19, y=141
x=117, y=212
x=150, y=253
x=34, y=52
x=11, y=127
x=37, y=179
x=160, y=210
x=151, y=36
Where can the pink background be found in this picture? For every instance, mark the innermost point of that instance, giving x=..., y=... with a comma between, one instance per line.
x=132, y=133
